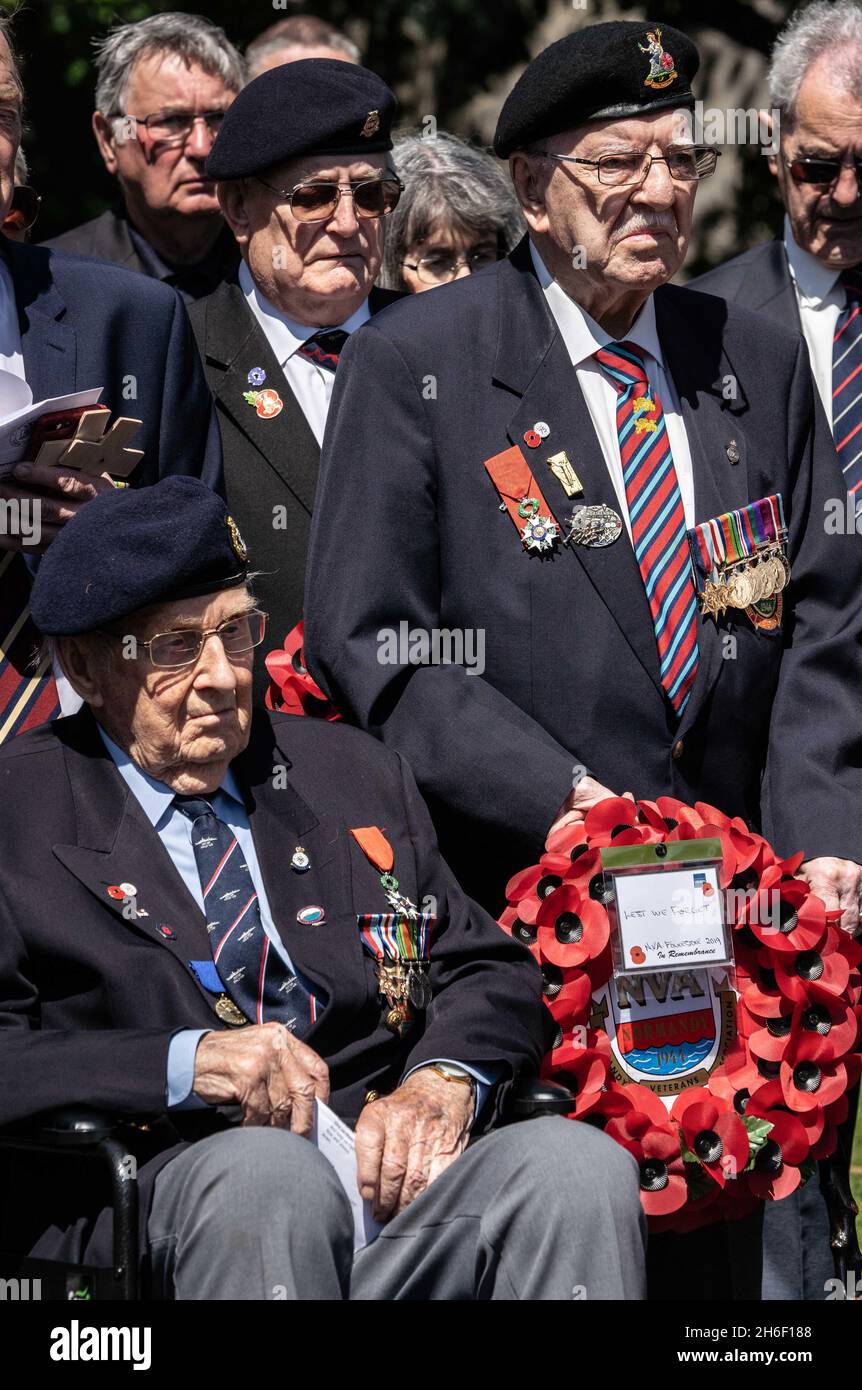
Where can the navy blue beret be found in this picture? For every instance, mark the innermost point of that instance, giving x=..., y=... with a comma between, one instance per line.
x=133, y=547
x=602, y=72
x=313, y=106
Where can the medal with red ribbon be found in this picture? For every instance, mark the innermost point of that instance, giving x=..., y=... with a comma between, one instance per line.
x=399, y=941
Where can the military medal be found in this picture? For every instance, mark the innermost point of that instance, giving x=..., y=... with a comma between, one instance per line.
x=565, y=473
x=596, y=526
x=399, y=941
x=741, y=562
x=300, y=860
x=540, y=532
x=521, y=495
x=229, y=1012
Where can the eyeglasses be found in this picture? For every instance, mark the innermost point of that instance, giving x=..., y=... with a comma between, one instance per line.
x=24, y=209
x=685, y=162
x=822, y=171
x=183, y=646
x=316, y=202
x=175, y=127
x=439, y=266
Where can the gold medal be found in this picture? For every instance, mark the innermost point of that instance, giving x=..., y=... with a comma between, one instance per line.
x=229, y=1012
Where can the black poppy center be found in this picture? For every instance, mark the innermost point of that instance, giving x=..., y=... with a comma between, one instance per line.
x=768, y=1069
x=654, y=1176
x=558, y=1037
x=577, y=851
x=619, y=830
x=671, y=823
x=809, y=965
x=779, y=1027
x=708, y=1146
x=740, y=1101
x=552, y=979
x=547, y=885
x=806, y=1076
x=769, y=1158
x=523, y=932
x=568, y=928
x=816, y=1019
x=788, y=917
x=600, y=892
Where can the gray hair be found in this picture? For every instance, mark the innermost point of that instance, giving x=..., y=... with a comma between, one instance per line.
x=299, y=31
x=6, y=29
x=190, y=36
x=833, y=26
x=447, y=181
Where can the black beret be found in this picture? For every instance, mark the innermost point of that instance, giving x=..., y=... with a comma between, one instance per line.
x=601, y=73
x=133, y=547
x=313, y=106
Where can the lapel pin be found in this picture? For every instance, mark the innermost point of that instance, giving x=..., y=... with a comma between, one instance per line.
x=732, y=452
x=565, y=473
x=300, y=861
x=532, y=439
x=257, y=376
x=115, y=891
x=267, y=403
x=129, y=889
x=166, y=931
x=311, y=916
x=542, y=429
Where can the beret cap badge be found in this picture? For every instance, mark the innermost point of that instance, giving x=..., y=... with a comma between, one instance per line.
x=236, y=539
x=661, y=66
x=372, y=124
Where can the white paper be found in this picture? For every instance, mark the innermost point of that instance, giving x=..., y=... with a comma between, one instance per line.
x=15, y=429
x=337, y=1142
x=670, y=919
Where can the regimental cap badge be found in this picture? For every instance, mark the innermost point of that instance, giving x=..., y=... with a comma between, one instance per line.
x=236, y=539
x=662, y=70
x=372, y=124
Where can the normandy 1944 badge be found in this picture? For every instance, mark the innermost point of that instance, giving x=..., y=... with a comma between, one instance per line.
x=595, y=526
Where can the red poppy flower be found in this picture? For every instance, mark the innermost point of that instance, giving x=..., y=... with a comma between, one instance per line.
x=785, y=915
x=810, y=1076
x=775, y=1173
x=614, y=813
x=811, y=974
x=567, y=840
x=572, y=1005
x=714, y=1134
x=736, y=1076
x=572, y=929
x=584, y=1070
x=656, y=1149
x=292, y=689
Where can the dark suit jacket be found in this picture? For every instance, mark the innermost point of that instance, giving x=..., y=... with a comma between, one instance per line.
x=91, y=1000
x=408, y=530
x=85, y=324
x=269, y=463
x=107, y=238
x=758, y=279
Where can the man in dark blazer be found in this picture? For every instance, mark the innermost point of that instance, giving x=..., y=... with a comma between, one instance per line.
x=305, y=123
x=131, y=981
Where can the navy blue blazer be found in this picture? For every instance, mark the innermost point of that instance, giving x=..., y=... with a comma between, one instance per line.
x=758, y=279
x=408, y=528
x=91, y=1000
x=87, y=323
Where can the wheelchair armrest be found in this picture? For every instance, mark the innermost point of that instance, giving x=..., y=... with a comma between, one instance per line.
x=532, y=1097
x=68, y=1127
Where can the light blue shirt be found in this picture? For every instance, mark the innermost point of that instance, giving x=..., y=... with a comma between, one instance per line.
x=175, y=832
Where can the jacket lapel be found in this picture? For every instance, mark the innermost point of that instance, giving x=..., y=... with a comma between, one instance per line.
x=116, y=844
x=49, y=347
x=235, y=343
x=768, y=286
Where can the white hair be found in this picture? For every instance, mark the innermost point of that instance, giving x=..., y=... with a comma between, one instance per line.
x=827, y=26
x=193, y=38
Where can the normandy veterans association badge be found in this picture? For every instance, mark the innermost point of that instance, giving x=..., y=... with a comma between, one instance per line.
x=661, y=66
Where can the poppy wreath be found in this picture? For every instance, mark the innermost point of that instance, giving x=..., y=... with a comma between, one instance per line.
x=771, y=1105
x=291, y=689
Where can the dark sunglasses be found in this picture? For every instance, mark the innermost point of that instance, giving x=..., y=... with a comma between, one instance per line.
x=316, y=202
x=822, y=171
x=24, y=209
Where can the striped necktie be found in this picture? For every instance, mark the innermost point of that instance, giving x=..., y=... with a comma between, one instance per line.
x=847, y=385
x=324, y=348
x=657, y=518
x=28, y=691
x=251, y=970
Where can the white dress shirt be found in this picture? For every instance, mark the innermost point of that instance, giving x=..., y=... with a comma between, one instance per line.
x=583, y=337
x=312, y=385
x=820, y=298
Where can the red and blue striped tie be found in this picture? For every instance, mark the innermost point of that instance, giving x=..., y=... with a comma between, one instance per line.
x=28, y=691
x=657, y=518
x=847, y=385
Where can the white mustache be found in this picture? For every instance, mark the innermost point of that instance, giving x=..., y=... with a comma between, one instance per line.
x=647, y=222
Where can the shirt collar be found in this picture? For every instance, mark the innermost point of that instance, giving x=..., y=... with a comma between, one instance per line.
x=155, y=797
x=581, y=334
x=814, y=280
x=284, y=334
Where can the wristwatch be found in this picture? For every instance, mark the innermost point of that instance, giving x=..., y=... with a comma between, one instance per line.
x=450, y=1072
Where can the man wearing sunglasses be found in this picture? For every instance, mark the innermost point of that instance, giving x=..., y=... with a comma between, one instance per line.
x=162, y=90
x=305, y=182
x=810, y=278
x=588, y=425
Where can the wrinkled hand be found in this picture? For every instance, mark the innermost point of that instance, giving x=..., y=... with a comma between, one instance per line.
x=404, y=1141
x=839, y=883
x=61, y=493
x=273, y=1076
x=581, y=799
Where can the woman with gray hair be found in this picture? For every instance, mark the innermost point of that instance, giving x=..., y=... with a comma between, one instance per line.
x=457, y=213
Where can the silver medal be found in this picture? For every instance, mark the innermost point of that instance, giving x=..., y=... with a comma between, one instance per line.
x=594, y=526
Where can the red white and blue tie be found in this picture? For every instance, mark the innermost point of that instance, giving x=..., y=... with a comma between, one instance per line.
x=847, y=385
x=251, y=969
x=28, y=691
x=657, y=518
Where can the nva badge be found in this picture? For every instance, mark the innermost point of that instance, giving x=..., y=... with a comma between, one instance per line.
x=667, y=1031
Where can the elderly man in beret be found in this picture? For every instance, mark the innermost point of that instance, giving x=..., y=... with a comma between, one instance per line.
x=198, y=930
x=543, y=454
x=305, y=182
